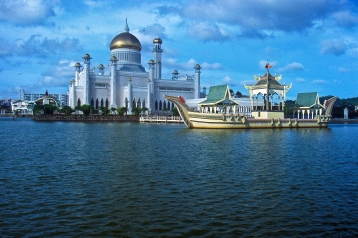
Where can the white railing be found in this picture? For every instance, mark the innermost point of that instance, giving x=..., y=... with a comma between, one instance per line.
x=160, y=119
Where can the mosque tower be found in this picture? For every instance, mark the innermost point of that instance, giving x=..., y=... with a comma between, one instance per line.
x=157, y=57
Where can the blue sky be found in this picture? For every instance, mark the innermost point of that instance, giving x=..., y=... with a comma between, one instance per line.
x=313, y=44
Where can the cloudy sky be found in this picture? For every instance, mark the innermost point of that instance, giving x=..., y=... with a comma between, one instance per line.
x=312, y=43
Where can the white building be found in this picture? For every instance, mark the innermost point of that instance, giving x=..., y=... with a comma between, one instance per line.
x=128, y=84
x=32, y=97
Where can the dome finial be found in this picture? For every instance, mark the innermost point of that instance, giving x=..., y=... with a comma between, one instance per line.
x=126, y=28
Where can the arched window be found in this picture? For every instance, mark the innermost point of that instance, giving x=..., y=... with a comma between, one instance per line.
x=164, y=105
x=102, y=102
x=133, y=103
x=168, y=106
x=160, y=105
x=97, y=103
x=139, y=104
x=92, y=102
x=107, y=103
x=79, y=102
x=126, y=102
x=143, y=104
x=156, y=105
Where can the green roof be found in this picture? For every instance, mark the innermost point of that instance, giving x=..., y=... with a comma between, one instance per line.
x=307, y=99
x=218, y=94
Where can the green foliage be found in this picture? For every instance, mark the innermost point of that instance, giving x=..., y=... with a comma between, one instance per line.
x=113, y=110
x=136, y=110
x=47, y=109
x=38, y=108
x=67, y=110
x=104, y=110
x=85, y=108
x=122, y=110
x=175, y=111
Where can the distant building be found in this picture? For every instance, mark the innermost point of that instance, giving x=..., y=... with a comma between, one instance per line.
x=32, y=97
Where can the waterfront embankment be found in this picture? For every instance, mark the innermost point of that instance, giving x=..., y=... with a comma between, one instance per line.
x=86, y=118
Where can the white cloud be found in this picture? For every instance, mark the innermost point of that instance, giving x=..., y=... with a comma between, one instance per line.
x=300, y=80
x=30, y=12
x=292, y=66
x=336, y=47
x=343, y=70
x=319, y=81
x=226, y=80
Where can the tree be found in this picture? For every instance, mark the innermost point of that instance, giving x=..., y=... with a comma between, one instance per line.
x=85, y=108
x=175, y=111
x=113, y=110
x=104, y=110
x=238, y=94
x=136, y=111
x=67, y=110
x=122, y=110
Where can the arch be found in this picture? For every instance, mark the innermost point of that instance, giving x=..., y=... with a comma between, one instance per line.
x=97, y=103
x=139, y=103
x=79, y=102
x=160, y=105
x=156, y=105
x=102, y=102
x=126, y=102
x=143, y=104
x=164, y=105
x=92, y=102
x=133, y=103
x=107, y=103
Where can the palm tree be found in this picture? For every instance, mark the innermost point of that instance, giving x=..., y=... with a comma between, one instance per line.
x=113, y=110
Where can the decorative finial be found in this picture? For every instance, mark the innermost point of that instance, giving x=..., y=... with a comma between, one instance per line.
x=126, y=28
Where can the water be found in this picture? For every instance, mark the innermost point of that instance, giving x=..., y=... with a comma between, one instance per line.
x=149, y=180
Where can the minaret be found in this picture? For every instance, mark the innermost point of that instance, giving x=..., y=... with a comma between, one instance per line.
x=130, y=96
x=151, y=95
x=75, y=82
x=157, y=56
x=197, y=81
x=86, y=85
x=113, y=64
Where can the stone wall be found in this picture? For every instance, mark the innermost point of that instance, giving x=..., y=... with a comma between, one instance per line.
x=86, y=118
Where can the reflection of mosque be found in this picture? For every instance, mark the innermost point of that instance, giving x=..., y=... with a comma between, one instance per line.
x=128, y=84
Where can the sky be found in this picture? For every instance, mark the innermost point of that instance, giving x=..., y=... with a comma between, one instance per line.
x=312, y=44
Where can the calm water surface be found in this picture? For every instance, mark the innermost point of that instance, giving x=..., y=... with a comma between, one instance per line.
x=150, y=180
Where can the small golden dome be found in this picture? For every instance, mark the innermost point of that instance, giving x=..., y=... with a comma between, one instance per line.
x=77, y=64
x=86, y=56
x=197, y=67
x=113, y=58
x=100, y=66
x=151, y=62
x=125, y=40
x=157, y=40
x=175, y=72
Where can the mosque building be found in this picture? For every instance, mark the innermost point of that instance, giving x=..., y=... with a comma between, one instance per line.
x=128, y=84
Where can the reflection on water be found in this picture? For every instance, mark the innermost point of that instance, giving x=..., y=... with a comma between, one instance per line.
x=135, y=180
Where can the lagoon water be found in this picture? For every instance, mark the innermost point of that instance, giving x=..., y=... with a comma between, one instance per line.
x=156, y=180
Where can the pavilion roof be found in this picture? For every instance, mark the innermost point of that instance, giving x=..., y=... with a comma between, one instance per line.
x=267, y=80
x=307, y=99
x=218, y=95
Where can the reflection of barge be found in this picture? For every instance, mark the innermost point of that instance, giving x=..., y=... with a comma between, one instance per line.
x=218, y=111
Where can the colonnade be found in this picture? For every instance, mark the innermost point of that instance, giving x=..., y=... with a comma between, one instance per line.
x=267, y=102
x=311, y=113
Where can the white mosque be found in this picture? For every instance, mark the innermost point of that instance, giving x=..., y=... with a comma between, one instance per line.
x=128, y=84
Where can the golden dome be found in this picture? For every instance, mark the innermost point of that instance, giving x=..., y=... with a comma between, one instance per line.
x=125, y=40
x=157, y=40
